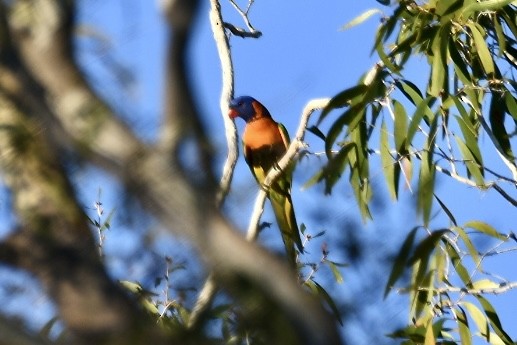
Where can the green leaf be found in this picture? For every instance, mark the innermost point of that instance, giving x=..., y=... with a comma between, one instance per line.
x=429, y=334
x=479, y=318
x=318, y=290
x=470, y=246
x=470, y=136
x=336, y=165
x=422, y=110
x=485, y=229
x=344, y=98
x=501, y=40
x=439, y=73
x=361, y=18
x=446, y=210
x=463, y=326
x=401, y=129
x=458, y=266
x=409, y=90
x=484, y=54
x=493, y=319
x=427, y=176
x=335, y=271
x=460, y=67
x=317, y=132
x=390, y=169
x=511, y=104
x=470, y=162
x=485, y=284
x=427, y=246
x=399, y=265
x=486, y=5
x=350, y=118
x=386, y=59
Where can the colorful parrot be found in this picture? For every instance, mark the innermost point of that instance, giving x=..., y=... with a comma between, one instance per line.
x=265, y=141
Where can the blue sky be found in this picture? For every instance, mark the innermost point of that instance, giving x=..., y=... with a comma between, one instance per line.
x=302, y=54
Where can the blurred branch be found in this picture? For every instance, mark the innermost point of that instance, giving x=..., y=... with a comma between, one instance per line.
x=54, y=241
x=185, y=208
x=182, y=118
x=11, y=333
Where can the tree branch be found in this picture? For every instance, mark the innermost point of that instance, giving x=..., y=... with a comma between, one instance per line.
x=183, y=207
x=225, y=57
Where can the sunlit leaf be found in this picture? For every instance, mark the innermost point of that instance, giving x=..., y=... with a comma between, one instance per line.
x=470, y=162
x=479, y=318
x=470, y=246
x=338, y=277
x=439, y=73
x=470, y=136
x=361, y=18
x=484, y=54
x=401, y=130
x=511, y=104
x=463, y=326
x=485, y=284
x=389, y=166
x=429, y=334
x=485, y=228
x=493, y=319
x=486, y=5
x=422, y=110
x=458, y=265
x=410, y=90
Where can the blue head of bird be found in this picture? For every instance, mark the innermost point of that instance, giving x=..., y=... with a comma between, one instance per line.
x=243, y=107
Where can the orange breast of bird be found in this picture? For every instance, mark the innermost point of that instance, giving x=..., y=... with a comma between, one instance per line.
x=262, y=132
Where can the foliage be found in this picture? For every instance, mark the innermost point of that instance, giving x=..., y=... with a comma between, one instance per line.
x=435, y=128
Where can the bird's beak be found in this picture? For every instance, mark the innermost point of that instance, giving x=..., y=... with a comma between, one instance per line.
x=233, y=113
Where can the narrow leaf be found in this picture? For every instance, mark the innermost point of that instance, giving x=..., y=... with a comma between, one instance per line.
x=388, y=163
x=429, y=334
x=484, y=54
x=479, y=318
x=463, y=326
x=446, y=210
x=399, y=265
x=493, y=319
x=485, y=228
x=361, y=18
x=400, y=128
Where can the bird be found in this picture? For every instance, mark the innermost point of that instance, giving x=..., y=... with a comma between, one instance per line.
x=265, y=142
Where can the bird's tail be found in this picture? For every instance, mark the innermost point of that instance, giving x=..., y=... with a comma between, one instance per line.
x=284, y=213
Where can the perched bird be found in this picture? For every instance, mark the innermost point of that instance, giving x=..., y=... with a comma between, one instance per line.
x=264, y=142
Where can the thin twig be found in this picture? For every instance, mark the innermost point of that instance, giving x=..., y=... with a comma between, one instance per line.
x=244, y=14
x=209, y=289
x=501, y=288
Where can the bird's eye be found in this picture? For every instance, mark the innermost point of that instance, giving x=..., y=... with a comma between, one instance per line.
x=240, y=104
